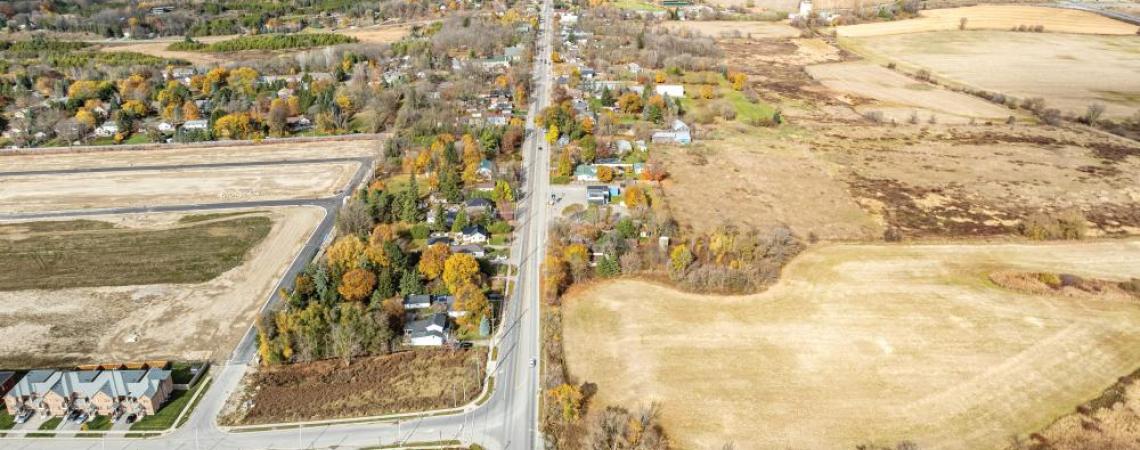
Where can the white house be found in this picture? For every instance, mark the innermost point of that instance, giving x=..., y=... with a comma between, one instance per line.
x=427, y=332
x=196, y=125
x=670, y=90
x=164, y=127
x=678, y=134
x=474, y=234
x=107, y=129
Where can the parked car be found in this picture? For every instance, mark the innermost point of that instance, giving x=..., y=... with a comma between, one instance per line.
x=132, y=418
x=82, y=418
x=24, y=415
x=466, y=345
x=71, y=415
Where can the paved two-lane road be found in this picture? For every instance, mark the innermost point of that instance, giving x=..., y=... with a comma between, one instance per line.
x=508, y=419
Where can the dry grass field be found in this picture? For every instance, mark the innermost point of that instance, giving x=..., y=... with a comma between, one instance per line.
x=1069, y=71
x=159, y=49
x=57, y=327
x=172, y=187
x=897, y=96
x=863, y=343
x=382, y=34
x=995, y=17
x=850, y=181
x=753, y=29
x=408, y=381
x=47, y=160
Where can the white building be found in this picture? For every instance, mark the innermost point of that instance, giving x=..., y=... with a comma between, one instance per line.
x=670, y=90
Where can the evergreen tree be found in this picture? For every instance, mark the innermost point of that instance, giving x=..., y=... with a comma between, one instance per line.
x=460, y=221
x=410, y=283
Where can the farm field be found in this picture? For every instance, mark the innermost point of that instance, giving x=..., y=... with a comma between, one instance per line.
x=1069, y=71
x=49, y=160
x=863, y=343
x=383, y=34
x=172, y=187
x=417, y=380
x=853, y=181
x=897, y=97
x=167, y=320
x=755, y=29
x=994, y=17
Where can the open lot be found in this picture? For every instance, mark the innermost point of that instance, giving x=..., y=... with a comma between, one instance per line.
x=159, y=48
x=418, y=380
x=897, y=96
x=863, y=343
x=738, y=28
x=382, y=34
x=85, y=253
x=57, y=192
x=995, y=17
x=1069, y=71
x=48, y=160
x=45, y=328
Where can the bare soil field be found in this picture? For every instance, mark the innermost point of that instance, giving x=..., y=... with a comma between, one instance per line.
x=191, y=155
x=995, y=17
x=898, y=97
x=418, y=380
x=159, y=49
x=1069, y=71
x=863, y=343
x=46, y=328
x=746, y=29
x=383, y=34
x=172, y=187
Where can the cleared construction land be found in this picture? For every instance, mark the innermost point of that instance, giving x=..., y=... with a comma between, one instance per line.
x=1069, y=71
x=863, y=343
x=169, y=318
x=56, y=192
x=995, y=17
x=48, y=160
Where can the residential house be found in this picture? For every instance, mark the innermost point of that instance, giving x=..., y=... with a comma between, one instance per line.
x=514, y=53
x=103, y=392
x=164, y=127
x=7, y=381
x=485, y=169
x=586, y=172
x=597, y=195
x=473, y=250
x=670, y=90
x=478, y=205
x=107, y=129
x=677, y=134
x=432, y=331
x=474, y=234
x=195, y=125
x=445, y=240
x=416, y=302
x=622, y=146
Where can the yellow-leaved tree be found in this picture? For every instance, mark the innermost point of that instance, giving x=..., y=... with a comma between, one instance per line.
x=459, y=270
x=433, y=260
x=345, y=252
x=356, y=285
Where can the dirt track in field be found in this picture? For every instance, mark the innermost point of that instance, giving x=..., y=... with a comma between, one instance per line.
x=995, y=17
x=863, y=343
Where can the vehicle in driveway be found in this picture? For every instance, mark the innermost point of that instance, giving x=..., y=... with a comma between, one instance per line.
x=132, y=418
x=24, y=415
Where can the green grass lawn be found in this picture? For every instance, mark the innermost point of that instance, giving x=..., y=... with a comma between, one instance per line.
x=48, y=425
x=99, y=423
x=6, y=420
x=165, y=417
x=180, y=372
x=500, y=239
x=96, y=255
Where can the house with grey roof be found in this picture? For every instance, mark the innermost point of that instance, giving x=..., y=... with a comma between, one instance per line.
x=433, y=331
